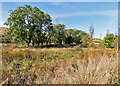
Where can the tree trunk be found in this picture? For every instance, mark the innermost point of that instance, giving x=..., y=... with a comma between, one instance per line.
x=50, y=42
x=33, y=43
x=38, y=44
x=28, y=44
x=42, y=44
x=46, y=43
x=60, y=42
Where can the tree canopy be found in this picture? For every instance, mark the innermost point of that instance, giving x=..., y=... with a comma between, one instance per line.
x=30, y=25
x=108, y=40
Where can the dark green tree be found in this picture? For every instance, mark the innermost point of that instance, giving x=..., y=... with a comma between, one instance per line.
x=78, y=35
x=59, y=34
x=27, y=23
x=69, y=36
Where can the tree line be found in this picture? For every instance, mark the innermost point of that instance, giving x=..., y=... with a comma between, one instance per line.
x=31, y=26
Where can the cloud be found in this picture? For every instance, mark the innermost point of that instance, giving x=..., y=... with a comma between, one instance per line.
x=110, y=13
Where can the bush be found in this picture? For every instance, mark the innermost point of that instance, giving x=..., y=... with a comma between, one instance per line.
x=108, y=40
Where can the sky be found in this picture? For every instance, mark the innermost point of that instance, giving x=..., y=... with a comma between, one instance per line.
x=75, y=15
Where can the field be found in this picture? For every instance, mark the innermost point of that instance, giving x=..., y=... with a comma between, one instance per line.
x=60, y=65
x=52, y=43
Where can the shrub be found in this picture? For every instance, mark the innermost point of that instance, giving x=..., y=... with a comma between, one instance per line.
x=108, y=40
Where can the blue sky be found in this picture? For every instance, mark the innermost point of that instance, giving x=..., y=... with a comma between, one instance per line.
x=78, y=15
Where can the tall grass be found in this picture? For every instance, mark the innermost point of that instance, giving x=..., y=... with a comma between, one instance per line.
x=60, y=66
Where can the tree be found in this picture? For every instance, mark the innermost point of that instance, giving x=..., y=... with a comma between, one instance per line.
x=69, y=36
x=49, y=34
x=78, y=35
x=27, y=24
x=114, y=44
x=73, y=35
x=59, y=34
x=85, y=40
x=108, y=40
x=91, y=30
x=68, y=40
x=4, y=37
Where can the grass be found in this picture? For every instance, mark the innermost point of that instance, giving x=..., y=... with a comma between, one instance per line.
x=60, y=66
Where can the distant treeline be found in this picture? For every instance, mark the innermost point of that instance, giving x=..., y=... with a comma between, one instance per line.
x=32, y=26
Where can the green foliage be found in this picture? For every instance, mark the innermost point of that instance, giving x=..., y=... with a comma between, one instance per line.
x=28, y=24
x=32, y=26
x=69, y=36
x=69, y=40
x=73, y=35
x=108, y=40
x=78, y=35
x=85, y=40
x=59, y=35
x=114, y=44
x=5, y=38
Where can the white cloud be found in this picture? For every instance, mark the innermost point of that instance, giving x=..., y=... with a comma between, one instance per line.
x=110, y=13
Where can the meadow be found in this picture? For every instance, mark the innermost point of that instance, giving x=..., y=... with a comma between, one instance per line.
x=60, y=65
x=37, y=51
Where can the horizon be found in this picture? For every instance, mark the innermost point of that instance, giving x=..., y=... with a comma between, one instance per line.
x=80, y=15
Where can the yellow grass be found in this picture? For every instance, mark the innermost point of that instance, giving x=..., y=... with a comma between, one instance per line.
x=60, y=66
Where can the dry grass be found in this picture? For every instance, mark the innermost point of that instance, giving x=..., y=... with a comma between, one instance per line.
x=60, y=66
